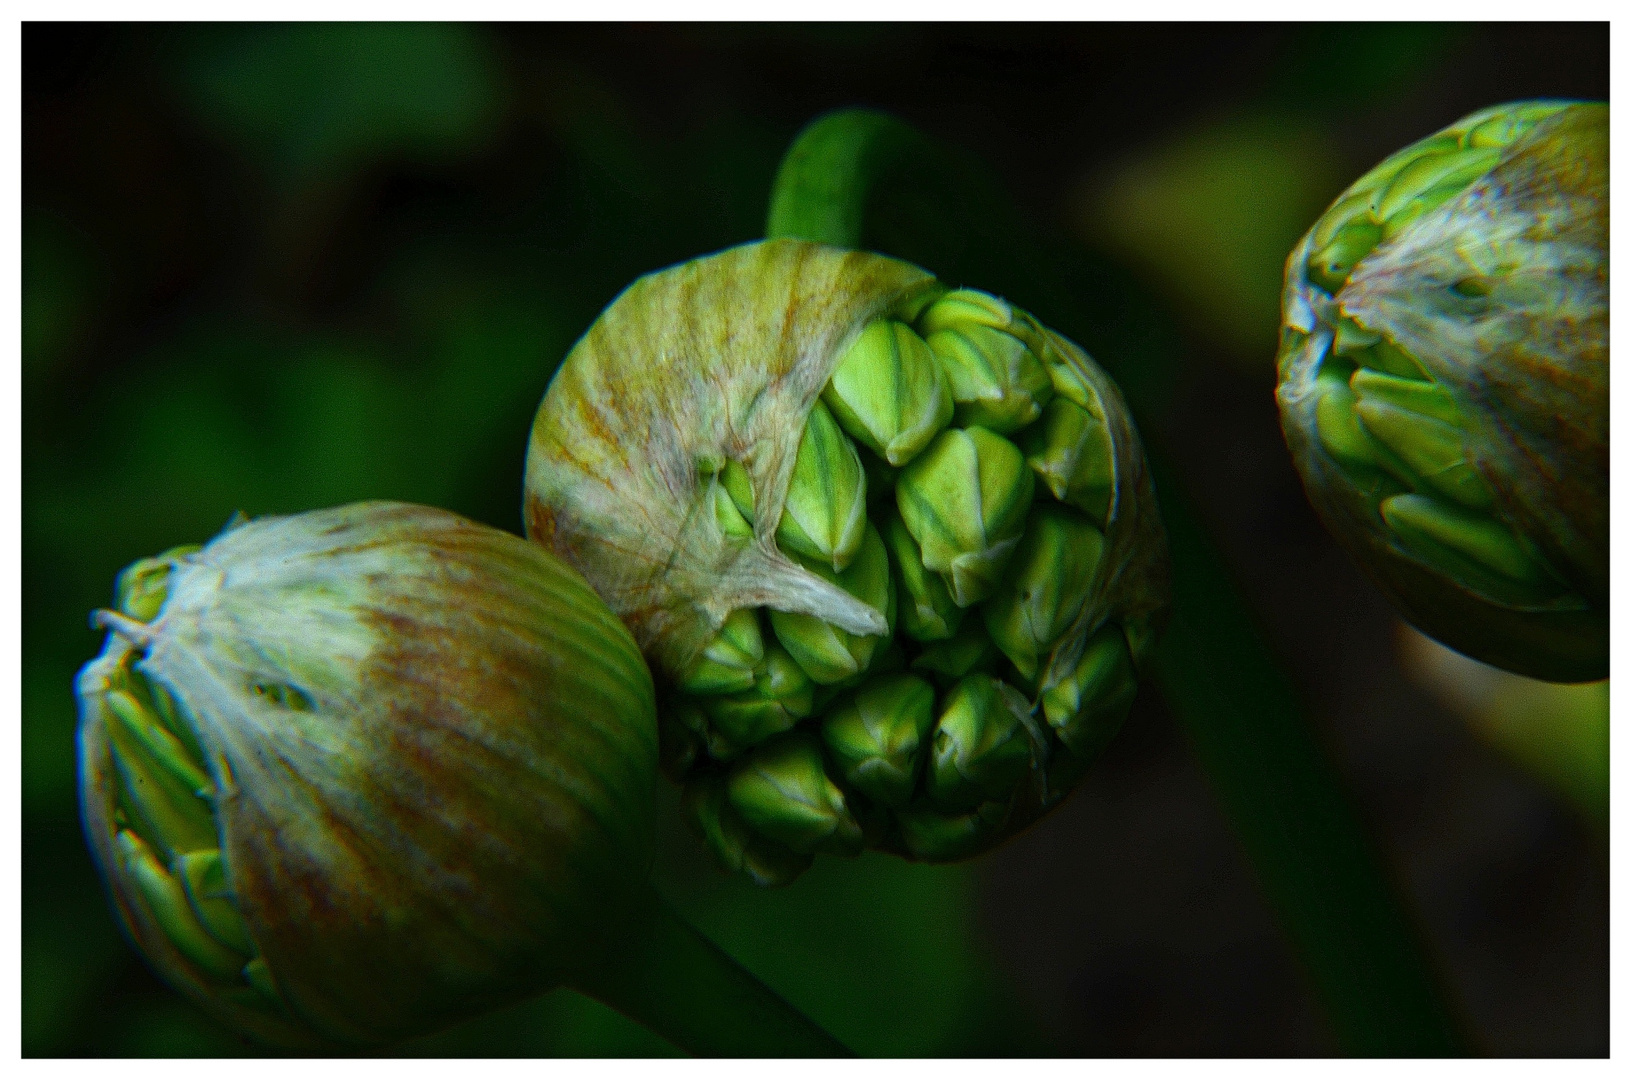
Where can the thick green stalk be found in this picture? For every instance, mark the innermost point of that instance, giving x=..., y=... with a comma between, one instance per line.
x=1287, y=803
x=662, y=973
x=1220, y=678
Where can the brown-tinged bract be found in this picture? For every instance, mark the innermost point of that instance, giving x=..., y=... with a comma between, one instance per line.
x=360, y=772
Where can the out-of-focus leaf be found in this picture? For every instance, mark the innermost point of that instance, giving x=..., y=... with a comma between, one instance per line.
x=559, y=1024
x=1208, y=214
x=310, y=98
x=48, y=724
x=61, y=284
x=881, y=952
x=70, y=951
x=1557, y=732
x=1351, y=66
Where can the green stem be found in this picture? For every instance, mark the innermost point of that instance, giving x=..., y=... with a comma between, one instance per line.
x=828, y=176
x=1217, y=674
x=1287, y=803
x=665, y=975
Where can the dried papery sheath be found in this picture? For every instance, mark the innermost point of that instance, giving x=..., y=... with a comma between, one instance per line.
x=805, y=477
x=353, y=774
x=1444, y=383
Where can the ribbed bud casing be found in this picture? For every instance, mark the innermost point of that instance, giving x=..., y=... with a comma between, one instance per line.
x=422, y=758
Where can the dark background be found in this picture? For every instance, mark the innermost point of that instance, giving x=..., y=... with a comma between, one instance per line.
x=272, y=268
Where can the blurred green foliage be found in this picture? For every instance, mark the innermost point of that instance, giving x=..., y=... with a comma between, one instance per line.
x=1558, y=732
x=308, y=99
x=1209, y=211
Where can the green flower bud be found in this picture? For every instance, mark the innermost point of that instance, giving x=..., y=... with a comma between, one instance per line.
x=356, y=773
x=1046, y=587
x=732, y=498
x=982, y=744
x=970, y=649
x=715, y=396
x=876, y=739
x=964, y=501
x=927, y=611
x=889, y=392
x=1069, y=450
x=829, y=653
x=1087, y=708
x=780, y=697
x=728, y=664
x=1444, y=379
x=825, y=514
x=738, y=847
x=783, y=792
x=986, y=348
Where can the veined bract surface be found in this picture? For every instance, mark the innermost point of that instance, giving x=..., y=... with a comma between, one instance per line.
x=356, y=773
x=892, y=550
x=1443, y=383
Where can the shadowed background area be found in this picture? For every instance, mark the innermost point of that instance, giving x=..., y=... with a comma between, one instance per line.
x=272, y=268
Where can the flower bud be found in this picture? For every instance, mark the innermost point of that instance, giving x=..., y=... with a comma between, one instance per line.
x=964, y=501
x=876, y=739
x=727, y=391
x=927, y=611
x=986, y=347
x=357, y=773
x=981, y=743
x=1444, y=380
x=828, y=653
x=782, y=791
x=889, y=392
x=1068, y=450
x=1045, y=587
x=825, y=512
x=781, y=696
x=739, y=847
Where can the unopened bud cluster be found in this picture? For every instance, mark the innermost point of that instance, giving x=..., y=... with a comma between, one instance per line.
x=892, y=550
x=956, y=475
x=1465, y=276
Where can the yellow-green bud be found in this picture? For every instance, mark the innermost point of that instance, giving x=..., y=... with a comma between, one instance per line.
x=728, y=664
x=737, y=846
x=1068, y=448
x=828, y=653
x=1046, y=586
x=1087, y=708
x=982, y=744
x=825, y=513
x=780, y=697
x=927, y=611
x=781, y=789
